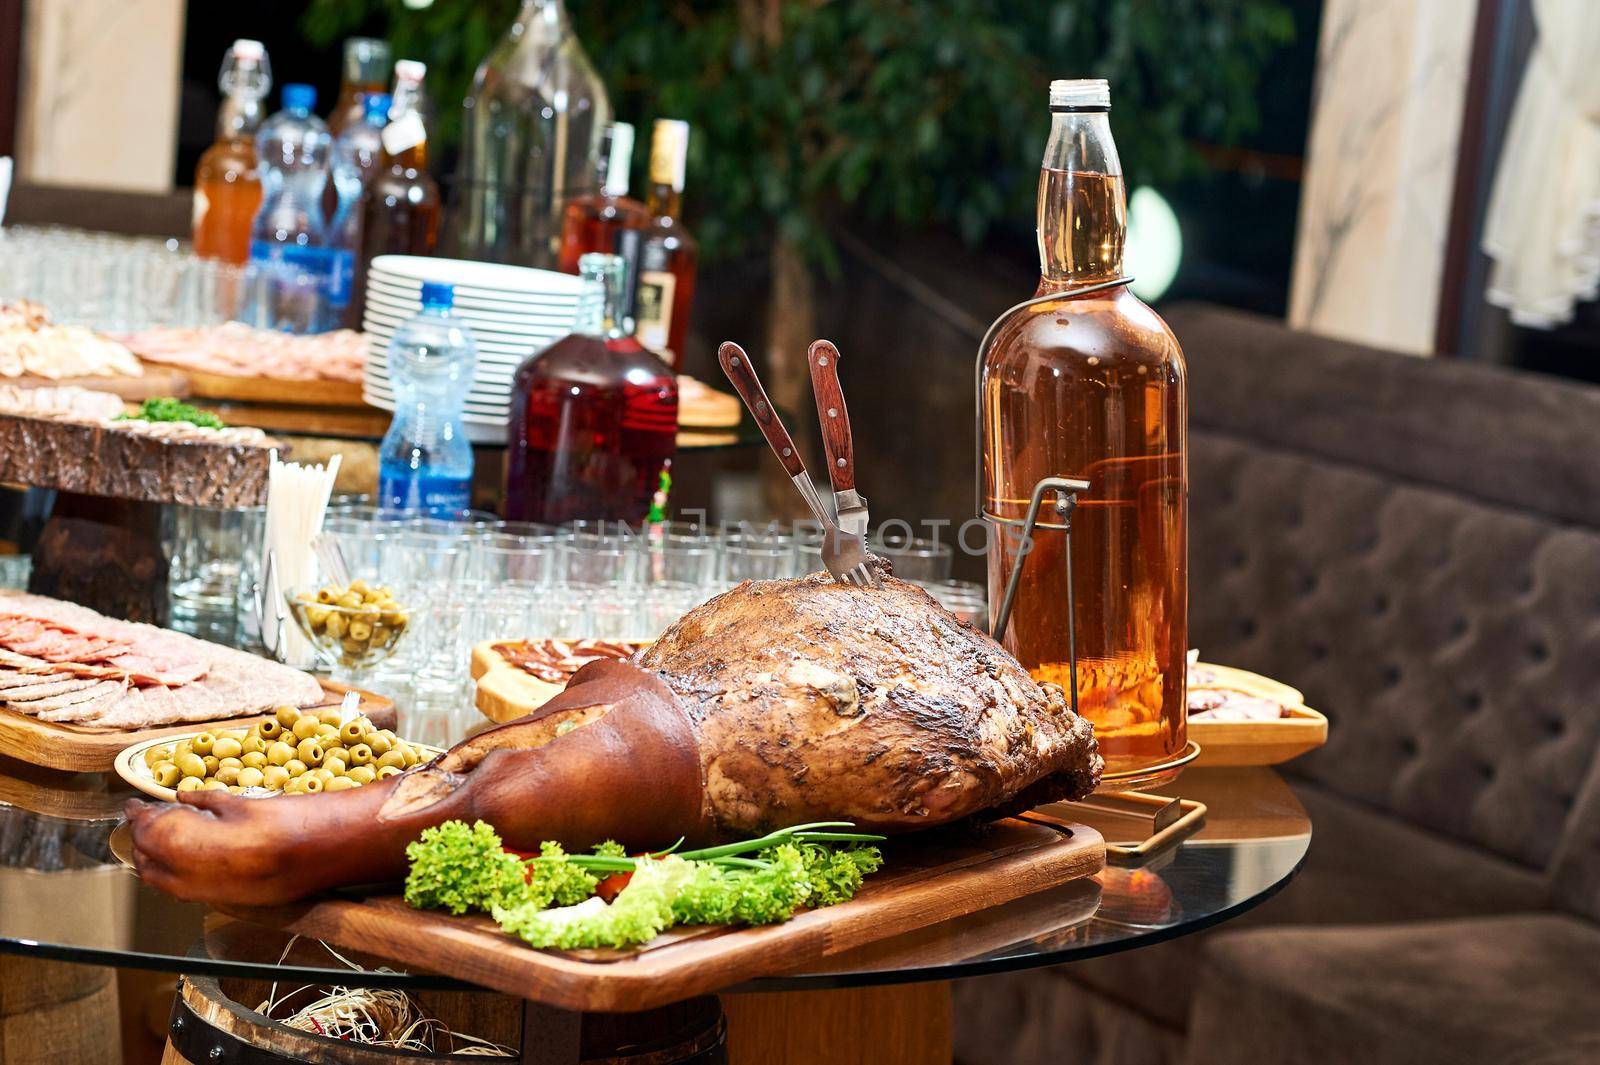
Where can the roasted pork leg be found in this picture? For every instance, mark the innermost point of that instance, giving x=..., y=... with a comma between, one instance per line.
x=776, y=703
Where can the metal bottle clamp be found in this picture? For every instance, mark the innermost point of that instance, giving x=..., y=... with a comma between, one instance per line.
x=1066, y=489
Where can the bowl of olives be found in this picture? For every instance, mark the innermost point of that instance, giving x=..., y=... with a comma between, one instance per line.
x=291, y=752
x=352, y=627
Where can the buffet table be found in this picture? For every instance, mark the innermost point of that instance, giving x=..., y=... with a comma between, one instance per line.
x=66, y=897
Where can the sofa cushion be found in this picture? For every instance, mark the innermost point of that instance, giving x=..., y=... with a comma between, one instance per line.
x=1507, y=990
x=1450, y=642
x=1363, y=867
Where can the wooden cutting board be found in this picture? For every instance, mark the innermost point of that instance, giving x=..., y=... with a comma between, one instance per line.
x=156, y=381
x=84, y=749
x=924, y=881
x=318, y=393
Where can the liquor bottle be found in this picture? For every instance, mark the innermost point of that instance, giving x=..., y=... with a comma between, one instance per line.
x=530, y=141
x=1086, y=381
x=425, y=460
x=227, y=187
x=668, y=254
x=366, y=68
x=591, y=221
x=402, y=203
x=289, y=260
x=594, y=418
x=357, y=154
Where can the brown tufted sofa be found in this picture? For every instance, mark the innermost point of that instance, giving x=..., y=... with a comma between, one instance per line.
x=1416, y=545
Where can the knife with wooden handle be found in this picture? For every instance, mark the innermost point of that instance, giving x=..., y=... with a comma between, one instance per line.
x=849, y=504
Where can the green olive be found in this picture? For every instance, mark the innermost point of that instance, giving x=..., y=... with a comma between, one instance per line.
x=353, y=732
x=286, y=716
x=327, y=733
x=166, y=774
x=334, y=765
x=350, y=599
x=224, y=748
x=280, y=753
x=191, y=784
x=360, y=754
x=395, y=758
x=360, y=631
x=381, y=742
x=254, y=743
x=227, y=774
x=340, y=784
x=191, y=765
x=214, y=785
x=310, y=752
x=254, y=759
x=385, y=772
x=310, y=784
x=274, y=777
x=251, y=777
x=203, y=743
x=212, y=763
x=157, y=754
x=306, y=727
x=295, y=767
x=335, y=626
x=269, y=729
x=362, y=774
x=234, y=734
x=224, y=763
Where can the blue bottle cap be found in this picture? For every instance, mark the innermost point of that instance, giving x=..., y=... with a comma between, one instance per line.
x=438, y=294
x=376, y=108
x=298, y=97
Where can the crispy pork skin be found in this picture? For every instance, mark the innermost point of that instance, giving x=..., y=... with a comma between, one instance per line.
x=776, y=703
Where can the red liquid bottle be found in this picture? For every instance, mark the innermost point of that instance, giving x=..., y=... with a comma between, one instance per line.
x=594, y=418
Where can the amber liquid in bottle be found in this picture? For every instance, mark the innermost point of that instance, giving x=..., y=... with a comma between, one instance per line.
x=227, y=195
x=591, y=222
x=400, y=212
x=1092, y=386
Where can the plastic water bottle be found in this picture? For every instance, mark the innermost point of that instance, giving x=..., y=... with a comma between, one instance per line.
x=425, y=461
x=356, y=152
x=289, y=258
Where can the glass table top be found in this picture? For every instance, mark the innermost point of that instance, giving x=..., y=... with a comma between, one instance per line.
x=65, y=895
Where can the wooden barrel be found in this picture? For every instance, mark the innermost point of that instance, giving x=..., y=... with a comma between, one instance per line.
x=210, y=1026
x=54, y=1011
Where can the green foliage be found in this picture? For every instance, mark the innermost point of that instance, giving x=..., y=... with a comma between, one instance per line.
x=903, y=111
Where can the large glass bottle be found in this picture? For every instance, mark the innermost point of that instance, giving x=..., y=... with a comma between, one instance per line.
x=1091, y=386
x=227, y=186
x=365, y=70
x=590, y=222
x=530, y=141
x=594, y=418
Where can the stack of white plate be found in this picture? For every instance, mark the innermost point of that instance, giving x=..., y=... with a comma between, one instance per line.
x=512, y=311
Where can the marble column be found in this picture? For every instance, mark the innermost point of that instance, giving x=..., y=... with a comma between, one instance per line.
x=1380, y=170
x=99, y=100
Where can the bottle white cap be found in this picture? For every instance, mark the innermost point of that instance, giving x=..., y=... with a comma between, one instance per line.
x=413, y=70
x=244, y=48
x=1081, y=94
x=620, y=159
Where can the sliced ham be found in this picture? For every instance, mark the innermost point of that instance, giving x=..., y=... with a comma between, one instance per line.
x=73, y=705
x=43, y=688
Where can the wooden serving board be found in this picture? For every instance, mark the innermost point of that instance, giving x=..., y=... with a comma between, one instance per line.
x=1236, y=743
x=84, y=749
x=924, y=881
x=315, y=393
x=156, y=381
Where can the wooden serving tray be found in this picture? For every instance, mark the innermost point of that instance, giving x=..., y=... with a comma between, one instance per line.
x=924, y=881
x=1241, y=743
x=312, y=393
x=85, y=749
x=155, y=382
x=1237, y=743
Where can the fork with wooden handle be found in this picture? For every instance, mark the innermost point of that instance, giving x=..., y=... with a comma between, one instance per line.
x=845, y=555
x=849, y=505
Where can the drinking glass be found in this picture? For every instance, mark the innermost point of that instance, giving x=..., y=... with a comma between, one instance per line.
x=914, y=558
x=751, y=557
x=520, y=559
